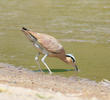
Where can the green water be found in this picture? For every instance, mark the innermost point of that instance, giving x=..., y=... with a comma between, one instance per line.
x=82, y=26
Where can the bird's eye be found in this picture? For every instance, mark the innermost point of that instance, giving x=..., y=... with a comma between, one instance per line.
x=71, y=56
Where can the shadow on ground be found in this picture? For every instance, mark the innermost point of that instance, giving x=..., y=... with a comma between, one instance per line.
x=56, y=70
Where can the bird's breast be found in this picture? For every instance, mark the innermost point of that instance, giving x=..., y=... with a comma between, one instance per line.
x=40, y=48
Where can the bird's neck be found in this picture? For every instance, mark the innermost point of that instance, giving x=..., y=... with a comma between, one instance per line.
x=65, y=60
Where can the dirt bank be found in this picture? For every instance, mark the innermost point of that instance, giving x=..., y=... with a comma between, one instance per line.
x=40, y=84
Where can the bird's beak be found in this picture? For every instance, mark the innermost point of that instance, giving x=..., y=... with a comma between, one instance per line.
x=76, y=67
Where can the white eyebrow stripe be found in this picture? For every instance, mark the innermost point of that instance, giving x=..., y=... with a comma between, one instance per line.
x=71, y=56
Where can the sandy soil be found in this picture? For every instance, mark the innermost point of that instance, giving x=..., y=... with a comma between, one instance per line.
x=22, y=84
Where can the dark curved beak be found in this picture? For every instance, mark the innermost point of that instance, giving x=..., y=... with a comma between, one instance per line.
x=76, y=68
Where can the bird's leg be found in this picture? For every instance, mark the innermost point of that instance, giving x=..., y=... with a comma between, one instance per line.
x=43, y=61
x=37, y=61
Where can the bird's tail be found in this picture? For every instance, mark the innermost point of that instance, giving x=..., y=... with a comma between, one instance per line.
x=24, y=29
x=29, y=34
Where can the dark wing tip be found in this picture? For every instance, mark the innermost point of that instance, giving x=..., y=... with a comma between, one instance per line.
x=24, y=29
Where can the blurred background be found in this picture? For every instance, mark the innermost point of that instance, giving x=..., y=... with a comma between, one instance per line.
x=82, y=27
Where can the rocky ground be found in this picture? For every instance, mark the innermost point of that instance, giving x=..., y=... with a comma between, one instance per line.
x=22, y=84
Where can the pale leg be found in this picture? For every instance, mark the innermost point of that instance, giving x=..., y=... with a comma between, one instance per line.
x=43, y=61
x=37, y=61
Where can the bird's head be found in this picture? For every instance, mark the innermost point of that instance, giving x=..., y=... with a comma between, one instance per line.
x=70, y=59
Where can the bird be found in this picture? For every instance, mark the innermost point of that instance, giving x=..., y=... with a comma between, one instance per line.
x=48, y=46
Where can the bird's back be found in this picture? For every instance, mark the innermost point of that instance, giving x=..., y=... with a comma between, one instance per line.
x=49, y=43
x=46, y=43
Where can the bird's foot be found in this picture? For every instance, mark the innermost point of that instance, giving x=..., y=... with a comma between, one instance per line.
x=50, y=73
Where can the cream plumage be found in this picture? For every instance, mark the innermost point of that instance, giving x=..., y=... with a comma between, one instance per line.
x=49, y=46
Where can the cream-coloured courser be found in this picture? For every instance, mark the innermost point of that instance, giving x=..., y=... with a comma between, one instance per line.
x=49, y=46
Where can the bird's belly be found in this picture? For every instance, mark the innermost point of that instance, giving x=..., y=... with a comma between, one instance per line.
x=43, y=51
x=40, y=48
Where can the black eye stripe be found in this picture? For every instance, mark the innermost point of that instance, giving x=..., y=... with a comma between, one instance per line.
x=71, y=58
